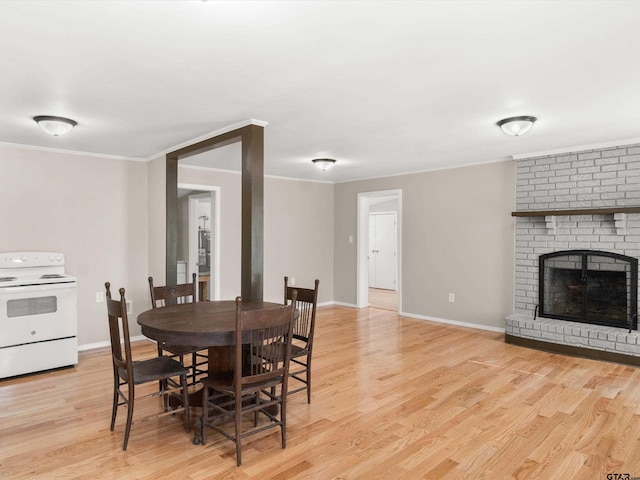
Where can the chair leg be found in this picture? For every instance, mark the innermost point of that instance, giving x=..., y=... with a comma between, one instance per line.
x=238, y=426
x=185, y=401
x=114, y=409
x=160, y=354
x=130, y=401
x=283, y=419
x=205, y=414
x=309, y=379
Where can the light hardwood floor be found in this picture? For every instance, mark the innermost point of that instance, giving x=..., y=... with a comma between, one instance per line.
x=394, y=398
x=385, y=299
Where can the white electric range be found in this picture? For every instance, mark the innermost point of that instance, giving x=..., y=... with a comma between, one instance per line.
x=38, y=313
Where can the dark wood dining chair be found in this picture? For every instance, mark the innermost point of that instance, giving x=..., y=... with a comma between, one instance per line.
x=304, y=326
x=128, y=373
x=258, y=383
x=174, y=295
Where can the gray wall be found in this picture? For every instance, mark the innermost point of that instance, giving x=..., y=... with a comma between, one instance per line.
x=157, y=220
x=298, y=236
x=94, y=210
x=298, y=231
x=108, y=216
x=457, y=238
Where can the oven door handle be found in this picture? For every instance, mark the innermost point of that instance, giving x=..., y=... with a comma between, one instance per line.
x=38, y=288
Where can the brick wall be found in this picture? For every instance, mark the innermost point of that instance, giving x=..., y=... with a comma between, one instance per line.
x=588, y=179
x=601, y=178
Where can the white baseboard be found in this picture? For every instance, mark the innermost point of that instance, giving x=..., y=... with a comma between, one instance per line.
x=428, y=318
x=93, y=346
x=457, y=323
x=341, y=304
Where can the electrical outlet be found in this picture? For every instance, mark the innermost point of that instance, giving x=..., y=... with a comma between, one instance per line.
x=99, y=297
x=129, y=302
x=292, y=281
x=452, y=297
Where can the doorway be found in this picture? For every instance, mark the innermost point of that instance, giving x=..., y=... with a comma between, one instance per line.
x=379, y=250
x=199, y=238
x=382, y=259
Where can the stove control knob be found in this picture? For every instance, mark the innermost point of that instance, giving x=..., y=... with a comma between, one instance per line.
x=23, y=258
x=58, y=258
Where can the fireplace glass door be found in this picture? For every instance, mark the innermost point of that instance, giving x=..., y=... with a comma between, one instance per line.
x=589, y=286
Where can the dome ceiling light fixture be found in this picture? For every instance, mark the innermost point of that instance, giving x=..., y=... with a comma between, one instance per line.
x=516, y=126
x=323, y=163
x=55, y=126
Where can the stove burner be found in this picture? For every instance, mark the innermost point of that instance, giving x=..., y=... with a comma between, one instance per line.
x=7, y=279
x=52, y=275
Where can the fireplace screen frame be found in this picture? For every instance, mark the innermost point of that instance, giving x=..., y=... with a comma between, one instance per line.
x=631, y=270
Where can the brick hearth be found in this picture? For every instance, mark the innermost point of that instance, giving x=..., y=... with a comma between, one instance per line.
x=595, y=337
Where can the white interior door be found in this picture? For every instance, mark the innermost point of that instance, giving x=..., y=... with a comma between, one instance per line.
x=382, y=250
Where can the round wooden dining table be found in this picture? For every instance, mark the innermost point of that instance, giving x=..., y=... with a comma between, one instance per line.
x=209, y=324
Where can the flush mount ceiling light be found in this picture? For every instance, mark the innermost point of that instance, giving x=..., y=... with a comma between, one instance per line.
x=516, y=125
x=323, y=163
x=55, y=126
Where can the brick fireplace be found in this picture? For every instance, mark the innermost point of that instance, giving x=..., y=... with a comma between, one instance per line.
x=583, y=200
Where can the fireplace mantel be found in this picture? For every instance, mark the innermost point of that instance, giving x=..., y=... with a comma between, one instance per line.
x=583, y=211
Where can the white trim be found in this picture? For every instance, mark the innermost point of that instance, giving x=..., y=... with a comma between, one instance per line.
x=209, y=169
x=235, y=126
x=456, y=323
x=278, y=177
x=325, y=304
x=238, y=172
x=434, y=169
x=215, y=133
x=427, y=318
x=94, y=346
x=340, y=304
x=579, y=148
x=196, y=186
x=73, y=152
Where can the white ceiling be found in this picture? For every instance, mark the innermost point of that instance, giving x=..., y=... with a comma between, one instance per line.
x=384, y=87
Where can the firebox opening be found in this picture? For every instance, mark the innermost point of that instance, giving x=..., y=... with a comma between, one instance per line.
x=590, y=287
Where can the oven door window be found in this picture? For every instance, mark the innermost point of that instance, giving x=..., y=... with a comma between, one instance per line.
x=32, y=306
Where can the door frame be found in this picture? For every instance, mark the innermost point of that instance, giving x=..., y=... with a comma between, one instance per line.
x=362, y=233
x=214, y=195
